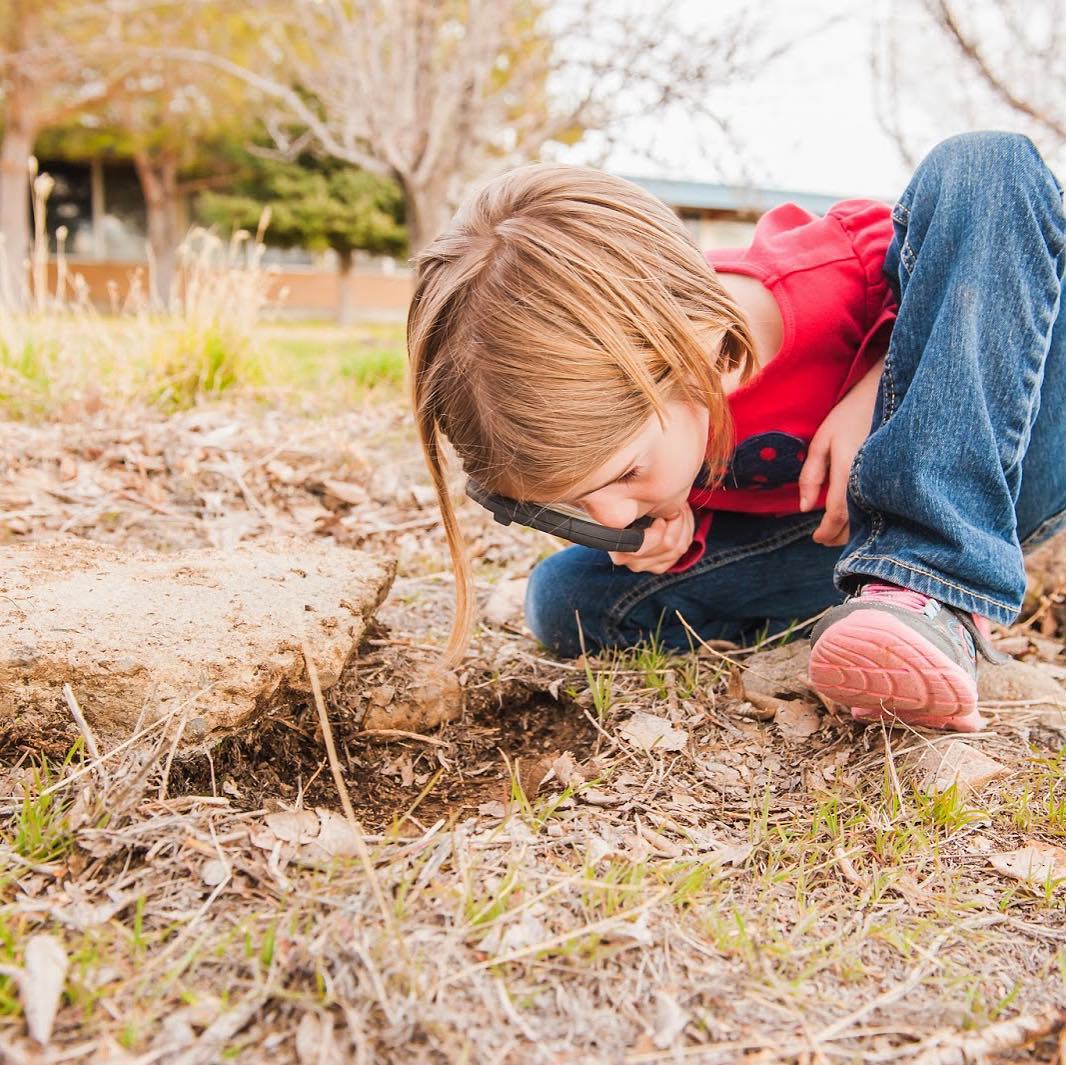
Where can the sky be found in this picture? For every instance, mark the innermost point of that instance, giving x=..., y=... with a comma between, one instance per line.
x=808, y=123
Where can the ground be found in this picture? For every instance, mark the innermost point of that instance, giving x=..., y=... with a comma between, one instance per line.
x=632, y=858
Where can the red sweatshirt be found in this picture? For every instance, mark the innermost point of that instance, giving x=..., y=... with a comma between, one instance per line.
x=837, y=310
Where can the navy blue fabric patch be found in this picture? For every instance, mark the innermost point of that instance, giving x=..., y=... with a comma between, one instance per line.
x=768, y=460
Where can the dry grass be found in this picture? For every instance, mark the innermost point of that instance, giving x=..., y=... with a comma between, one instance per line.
x=61, y=356
x=751, y=897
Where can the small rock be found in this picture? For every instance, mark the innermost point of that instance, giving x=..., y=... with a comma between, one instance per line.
x=1032, y=685
x=777, y=674
x=214, y=871
x=214, y=634
x=431, y=696
x=942, y=764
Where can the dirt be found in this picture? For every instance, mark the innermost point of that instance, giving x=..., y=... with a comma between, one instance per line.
x=774, y=891
x=505, y=728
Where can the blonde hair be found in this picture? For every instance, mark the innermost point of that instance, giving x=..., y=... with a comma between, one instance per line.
x=560, y=309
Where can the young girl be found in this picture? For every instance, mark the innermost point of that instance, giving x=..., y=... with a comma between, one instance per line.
x=872, y=403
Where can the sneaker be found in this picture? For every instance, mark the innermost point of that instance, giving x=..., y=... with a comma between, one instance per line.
x=902, y=657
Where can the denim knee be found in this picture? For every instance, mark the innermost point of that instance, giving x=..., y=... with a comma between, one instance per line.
x=976, y=160
x=550, y=607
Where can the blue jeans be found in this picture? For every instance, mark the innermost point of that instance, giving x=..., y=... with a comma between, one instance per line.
x=963, y=469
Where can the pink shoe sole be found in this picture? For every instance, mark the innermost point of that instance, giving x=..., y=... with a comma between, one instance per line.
x=882, y=669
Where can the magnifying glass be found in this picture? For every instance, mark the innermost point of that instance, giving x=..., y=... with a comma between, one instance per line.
x=568, y=522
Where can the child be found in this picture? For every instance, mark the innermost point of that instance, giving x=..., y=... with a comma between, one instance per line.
x=871, y=403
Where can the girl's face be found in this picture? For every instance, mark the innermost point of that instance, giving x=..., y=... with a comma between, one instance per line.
x=652, y=474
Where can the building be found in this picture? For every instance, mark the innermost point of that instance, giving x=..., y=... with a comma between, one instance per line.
x=724, y=216
x=101, y=206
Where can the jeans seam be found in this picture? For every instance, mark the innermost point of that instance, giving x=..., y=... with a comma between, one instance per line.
x=614, y=615
x=877, y=521
x=933, y=577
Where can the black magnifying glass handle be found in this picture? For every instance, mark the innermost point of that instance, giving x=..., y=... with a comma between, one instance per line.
x=570, y=527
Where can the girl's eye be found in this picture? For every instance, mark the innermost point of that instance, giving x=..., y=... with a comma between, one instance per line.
x=629, y=475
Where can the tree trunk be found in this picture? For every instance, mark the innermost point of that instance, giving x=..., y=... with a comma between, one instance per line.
x=159, y=185
x=19, y=134
x=345, y=279
x=426, y=213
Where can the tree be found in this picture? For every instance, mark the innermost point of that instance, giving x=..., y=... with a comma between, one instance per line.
x=1006, y=68
x=314, y=203
x=172, y=119
x=55, y=59
x=438, y=93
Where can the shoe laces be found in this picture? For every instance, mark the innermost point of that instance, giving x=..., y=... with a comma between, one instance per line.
x=979, y=640
x=895, y=594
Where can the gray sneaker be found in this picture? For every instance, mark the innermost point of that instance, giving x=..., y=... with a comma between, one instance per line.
x=894, y=655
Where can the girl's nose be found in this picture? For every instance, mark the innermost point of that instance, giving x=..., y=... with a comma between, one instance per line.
x=615, y=514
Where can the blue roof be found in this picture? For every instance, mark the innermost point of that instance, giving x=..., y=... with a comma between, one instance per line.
x=702, y=194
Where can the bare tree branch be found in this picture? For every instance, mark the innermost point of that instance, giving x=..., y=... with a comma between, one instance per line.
x=941, y=66
x=949, y=23
x=437, y=95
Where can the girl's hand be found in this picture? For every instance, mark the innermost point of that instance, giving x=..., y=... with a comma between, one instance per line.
x=831, y=454
x=665, y=541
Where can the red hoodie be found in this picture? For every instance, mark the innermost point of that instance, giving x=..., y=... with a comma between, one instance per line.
x=837, y=310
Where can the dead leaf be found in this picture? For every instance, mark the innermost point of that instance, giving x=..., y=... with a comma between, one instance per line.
x=1036, y=864
x=293, y=826
x=670, y=1019
x=345, y=491
x=567, y=771
x=44, y=971
x=942, y=764
x=637, y=930
x=532, y=772
x=660, y=843
x=735, y=854
x=735, y=686
x=507, y=601
x=315, y=1043
x=309, y=838
x=81, y=914
x=649, y=732
x=382, y=695
x=336, y=839
x=796, y=719
x=517, y=935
